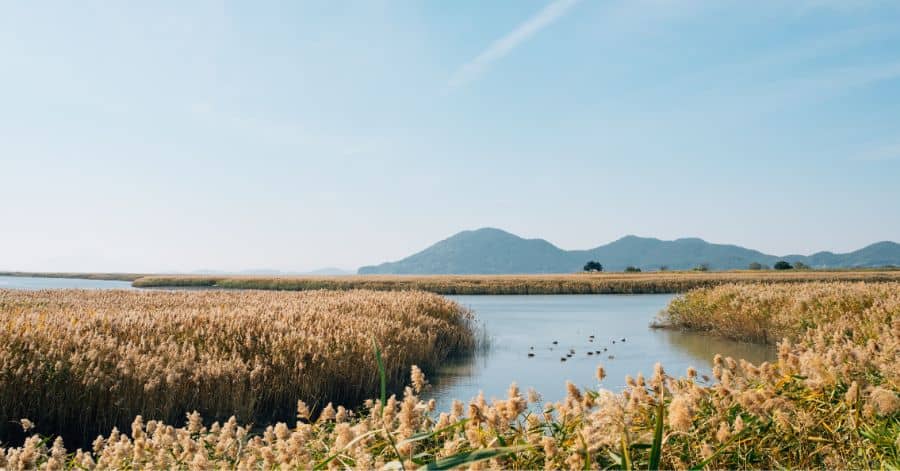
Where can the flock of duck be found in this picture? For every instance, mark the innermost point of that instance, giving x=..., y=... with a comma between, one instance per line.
x=571, y=352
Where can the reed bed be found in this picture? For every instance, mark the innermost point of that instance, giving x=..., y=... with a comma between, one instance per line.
x=829, y=401
x=81, y=362
x=578, y=283
x=766, y=315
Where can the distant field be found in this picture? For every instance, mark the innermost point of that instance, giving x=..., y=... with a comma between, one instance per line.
x=85, y=276
x=603, y=283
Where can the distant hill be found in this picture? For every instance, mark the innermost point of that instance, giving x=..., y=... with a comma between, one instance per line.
x=494, y=251
x=330, y=271
x=327, y=271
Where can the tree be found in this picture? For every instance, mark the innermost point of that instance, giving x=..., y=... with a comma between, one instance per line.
x=663, y=268
x=755, y=266
x=782, y=265
x=593, y=266
x=631, y=269
x=702, y=267
x=801, y=266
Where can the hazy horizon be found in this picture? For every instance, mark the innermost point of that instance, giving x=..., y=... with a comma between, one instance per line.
x=327, y=269
x=176, y=137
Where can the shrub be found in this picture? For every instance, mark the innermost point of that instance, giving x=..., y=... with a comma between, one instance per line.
x=631, y=269
x=782, y=265
x=755, y=266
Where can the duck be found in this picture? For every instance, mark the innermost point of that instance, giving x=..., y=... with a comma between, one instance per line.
x=530, y=354
x=562, y=359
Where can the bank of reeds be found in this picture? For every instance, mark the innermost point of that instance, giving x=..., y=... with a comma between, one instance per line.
x=829, y=401
x=581, y=283
x=81, y=362
x=768, y=314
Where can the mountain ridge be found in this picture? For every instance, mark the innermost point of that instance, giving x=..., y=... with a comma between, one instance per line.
x=490, y=251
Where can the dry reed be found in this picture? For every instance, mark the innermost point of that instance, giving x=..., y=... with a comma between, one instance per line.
x=79, y=362
x=829, y=401
x=581, y=283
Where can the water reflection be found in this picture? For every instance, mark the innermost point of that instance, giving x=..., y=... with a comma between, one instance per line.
x=34, y=283
x=515, y=324
x=702, y=348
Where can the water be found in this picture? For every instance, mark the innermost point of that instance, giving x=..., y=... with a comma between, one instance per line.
x=513, y=324
x=25, y=282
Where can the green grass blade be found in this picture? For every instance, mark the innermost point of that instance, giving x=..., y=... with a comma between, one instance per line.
x=626, y=456
x=656, y=450
x=469, y=457
x=381, y=374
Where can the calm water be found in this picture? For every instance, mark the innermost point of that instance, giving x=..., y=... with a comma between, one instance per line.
x=24, y=282
x=513, y=324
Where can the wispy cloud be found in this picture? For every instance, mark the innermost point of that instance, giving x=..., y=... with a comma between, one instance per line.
x=501, y=47
x=880, y=153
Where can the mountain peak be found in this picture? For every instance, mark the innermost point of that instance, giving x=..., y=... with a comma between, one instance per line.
x=490, y=250
x=485, y=232
x=694, y=240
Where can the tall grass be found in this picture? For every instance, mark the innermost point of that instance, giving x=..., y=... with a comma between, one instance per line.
x=603, y=283
x=766, y=315
x=829, y=401
x=80, y=362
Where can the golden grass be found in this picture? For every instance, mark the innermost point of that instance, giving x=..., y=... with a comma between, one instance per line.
x=829, y=401
x=80, y=362
x=580, y=283
x=752, y=314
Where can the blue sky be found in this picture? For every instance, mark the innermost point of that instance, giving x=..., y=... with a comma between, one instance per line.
x=176, y=136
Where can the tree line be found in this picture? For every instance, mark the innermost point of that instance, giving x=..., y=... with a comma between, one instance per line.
x=594, y=266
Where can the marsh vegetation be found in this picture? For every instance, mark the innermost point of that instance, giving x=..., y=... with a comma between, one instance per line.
x=78, y=363
x=579, y=283
x=830, y=400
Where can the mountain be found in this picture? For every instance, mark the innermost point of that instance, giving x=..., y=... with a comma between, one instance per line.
x=494, y=251
x=329, y=271
x=487, y=251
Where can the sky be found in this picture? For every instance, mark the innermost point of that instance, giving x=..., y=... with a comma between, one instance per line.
x=177, y=136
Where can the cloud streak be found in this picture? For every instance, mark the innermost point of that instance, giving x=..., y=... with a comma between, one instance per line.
x=883, y=153
x=503, y=46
